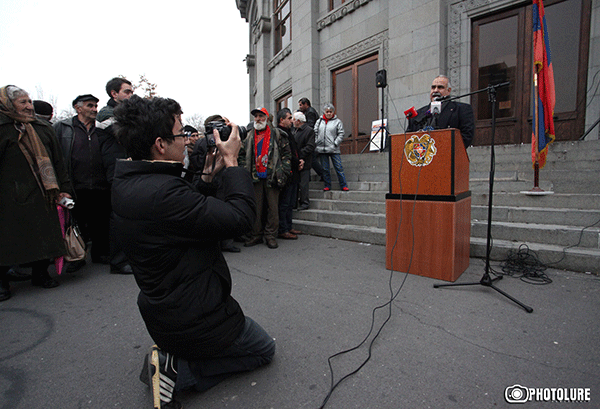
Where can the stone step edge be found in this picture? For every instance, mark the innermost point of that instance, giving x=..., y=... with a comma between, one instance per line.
x=339, y=226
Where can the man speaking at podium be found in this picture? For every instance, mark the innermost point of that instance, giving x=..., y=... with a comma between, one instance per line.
x=440, y=114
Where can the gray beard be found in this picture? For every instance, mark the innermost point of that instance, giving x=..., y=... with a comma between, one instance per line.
x=259, y=126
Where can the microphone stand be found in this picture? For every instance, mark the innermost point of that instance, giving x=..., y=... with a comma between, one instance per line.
x=381, y=129
x=486, y=280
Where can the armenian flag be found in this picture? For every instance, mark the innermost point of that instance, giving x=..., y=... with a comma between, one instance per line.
x=542, y=63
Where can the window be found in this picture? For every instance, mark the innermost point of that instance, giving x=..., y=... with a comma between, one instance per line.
x=356, y=102
x=511, y=59
x=285, y=102
x=335, y=3
x=283, y=24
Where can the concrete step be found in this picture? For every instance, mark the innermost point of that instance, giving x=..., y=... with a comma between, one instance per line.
x=589, y=201
x=371, y=207
x=342, y=217
x=352, y=195
x=363, y=234
x=559, y=235
x=559, y=216
x=573, y=259
x=507, y=185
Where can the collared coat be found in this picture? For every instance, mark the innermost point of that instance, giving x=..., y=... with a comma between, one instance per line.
x=29, y=226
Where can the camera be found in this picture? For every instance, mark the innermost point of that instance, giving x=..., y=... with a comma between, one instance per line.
x=224, y=132
x=66, y=202
x=516, y=394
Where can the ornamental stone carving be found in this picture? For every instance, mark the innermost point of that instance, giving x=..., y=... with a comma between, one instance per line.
x=340, y=13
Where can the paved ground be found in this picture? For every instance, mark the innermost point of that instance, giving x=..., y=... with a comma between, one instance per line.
x=81, y=345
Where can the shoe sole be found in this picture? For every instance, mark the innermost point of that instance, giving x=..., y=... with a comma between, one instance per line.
x=161, y=385
x=154, y=375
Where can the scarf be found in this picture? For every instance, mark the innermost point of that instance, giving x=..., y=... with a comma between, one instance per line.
x=262, y=140
x=325, y=119
x=33, y=149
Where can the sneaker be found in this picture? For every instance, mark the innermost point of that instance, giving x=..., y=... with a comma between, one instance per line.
x=326, y=189
x=162, y=372
x=345, y=188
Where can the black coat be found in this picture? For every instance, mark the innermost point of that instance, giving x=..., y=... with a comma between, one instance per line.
x=305, y=140
x=453, y=115
x=170, y=233
x=29, y=227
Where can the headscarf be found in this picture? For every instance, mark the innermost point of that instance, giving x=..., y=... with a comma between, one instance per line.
x=32, y=148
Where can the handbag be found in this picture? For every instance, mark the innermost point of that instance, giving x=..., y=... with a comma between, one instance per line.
x=74, y=242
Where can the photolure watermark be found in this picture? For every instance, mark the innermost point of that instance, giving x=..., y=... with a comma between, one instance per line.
x=521, y=394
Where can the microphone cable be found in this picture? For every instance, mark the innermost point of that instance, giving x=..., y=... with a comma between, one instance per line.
x=389, y=304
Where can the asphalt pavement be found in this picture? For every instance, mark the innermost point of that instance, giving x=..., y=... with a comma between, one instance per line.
x=81, y=345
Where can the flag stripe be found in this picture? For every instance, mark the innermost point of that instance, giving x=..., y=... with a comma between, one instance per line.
x=546, y=94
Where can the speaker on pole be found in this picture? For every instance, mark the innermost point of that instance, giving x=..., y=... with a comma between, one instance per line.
x=381, y=79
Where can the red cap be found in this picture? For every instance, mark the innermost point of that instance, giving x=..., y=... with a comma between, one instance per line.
x=260, y=110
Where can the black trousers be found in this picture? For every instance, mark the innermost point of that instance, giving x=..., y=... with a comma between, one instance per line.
x=92, y=213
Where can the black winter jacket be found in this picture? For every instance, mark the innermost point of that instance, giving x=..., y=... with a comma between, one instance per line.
x=170, y=233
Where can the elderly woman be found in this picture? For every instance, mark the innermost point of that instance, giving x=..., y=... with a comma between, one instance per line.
x=33, y=179
x=329, y=132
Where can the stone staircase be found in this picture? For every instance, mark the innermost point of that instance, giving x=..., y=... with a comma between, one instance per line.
x=555, y=226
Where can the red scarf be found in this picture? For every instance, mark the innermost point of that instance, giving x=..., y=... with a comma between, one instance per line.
x=325, y=119
x=262, y=140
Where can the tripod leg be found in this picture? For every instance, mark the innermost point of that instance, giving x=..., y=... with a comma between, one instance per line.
x=525, y=307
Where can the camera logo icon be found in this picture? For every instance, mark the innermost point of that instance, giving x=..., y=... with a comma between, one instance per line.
x=516, y=394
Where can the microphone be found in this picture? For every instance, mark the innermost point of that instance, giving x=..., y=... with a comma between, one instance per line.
x=410, y=113
x=436, y=107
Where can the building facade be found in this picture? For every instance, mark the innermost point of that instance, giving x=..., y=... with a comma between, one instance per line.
x=331, y=50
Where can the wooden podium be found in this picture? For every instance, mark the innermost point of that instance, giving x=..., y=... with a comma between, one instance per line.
x=429, y=205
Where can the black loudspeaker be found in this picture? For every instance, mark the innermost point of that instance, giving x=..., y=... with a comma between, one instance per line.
x=381, y=79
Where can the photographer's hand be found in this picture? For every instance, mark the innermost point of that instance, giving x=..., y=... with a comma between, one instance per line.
x=212, y=164
x=230, y=148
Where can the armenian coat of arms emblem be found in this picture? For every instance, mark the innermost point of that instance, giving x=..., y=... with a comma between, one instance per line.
x=419, y=151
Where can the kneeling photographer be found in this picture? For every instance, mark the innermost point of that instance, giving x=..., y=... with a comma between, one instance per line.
x=170, y=231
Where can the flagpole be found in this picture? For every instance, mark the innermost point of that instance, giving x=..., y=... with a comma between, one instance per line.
x=536, y=165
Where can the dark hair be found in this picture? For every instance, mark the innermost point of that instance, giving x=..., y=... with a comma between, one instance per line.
x=282, y=114
x=115, y=85
x=140, y=121
x=305, y=100
x=190, y=128
x=212, y=118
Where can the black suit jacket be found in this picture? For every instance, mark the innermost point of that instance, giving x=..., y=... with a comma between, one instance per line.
x=453, y=115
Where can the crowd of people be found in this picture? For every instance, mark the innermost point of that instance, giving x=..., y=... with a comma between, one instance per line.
x=161, y=201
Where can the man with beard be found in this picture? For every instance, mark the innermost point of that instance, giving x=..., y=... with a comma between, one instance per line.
x=266, y=154
x=452, y=114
